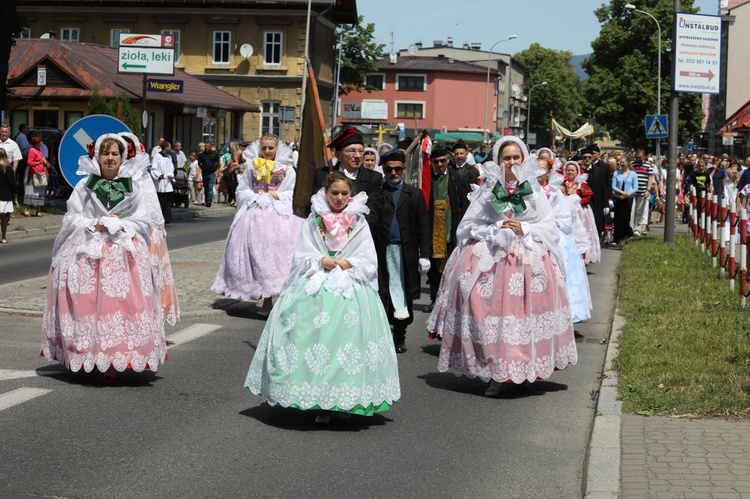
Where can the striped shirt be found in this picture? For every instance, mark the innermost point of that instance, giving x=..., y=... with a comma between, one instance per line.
x=644, y=171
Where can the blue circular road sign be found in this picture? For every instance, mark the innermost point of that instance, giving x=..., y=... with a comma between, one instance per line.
x=81, y=134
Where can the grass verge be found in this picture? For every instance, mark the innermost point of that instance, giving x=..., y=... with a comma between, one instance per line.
x=685, y=346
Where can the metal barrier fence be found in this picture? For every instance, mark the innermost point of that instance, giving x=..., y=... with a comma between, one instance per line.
x=715, y=226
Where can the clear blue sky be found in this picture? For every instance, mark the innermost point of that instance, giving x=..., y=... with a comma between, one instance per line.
x=557, y=24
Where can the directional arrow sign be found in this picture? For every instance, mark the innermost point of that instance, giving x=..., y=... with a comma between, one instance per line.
x=149, y=60
x=695, y=74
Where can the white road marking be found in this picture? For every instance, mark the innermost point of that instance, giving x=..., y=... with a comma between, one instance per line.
x=191, y=333
x=19, y=396
x=8, y=374
x=83, y=138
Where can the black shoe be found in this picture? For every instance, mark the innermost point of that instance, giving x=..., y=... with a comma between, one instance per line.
x=401, y=347
x=207, y=205
x=429, y=308
x=399, y=341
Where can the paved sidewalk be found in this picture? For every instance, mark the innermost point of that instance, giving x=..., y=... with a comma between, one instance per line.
x=663, y=456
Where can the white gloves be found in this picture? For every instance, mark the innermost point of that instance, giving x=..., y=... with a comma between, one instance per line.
x=424, y=265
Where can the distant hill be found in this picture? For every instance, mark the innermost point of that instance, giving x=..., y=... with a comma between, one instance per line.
x=577, y=60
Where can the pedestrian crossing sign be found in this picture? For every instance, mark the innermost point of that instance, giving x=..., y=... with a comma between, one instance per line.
x=656, y=126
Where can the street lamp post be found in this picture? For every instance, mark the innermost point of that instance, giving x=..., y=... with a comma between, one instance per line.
x=528, y=110
x=487, y=88
x=630, y=6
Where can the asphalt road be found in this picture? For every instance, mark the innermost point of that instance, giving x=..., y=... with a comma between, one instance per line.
x=29, y=258
x=190, y=430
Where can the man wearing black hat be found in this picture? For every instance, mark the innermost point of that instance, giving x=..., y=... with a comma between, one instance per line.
x=598, y=180
x=404, y=243
x=448, y=202
x=349, y=151
x=460, y=155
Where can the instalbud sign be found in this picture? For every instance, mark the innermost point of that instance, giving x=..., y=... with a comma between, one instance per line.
x=698, y=49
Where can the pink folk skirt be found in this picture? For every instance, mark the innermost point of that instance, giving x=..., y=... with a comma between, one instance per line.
x=503, y=316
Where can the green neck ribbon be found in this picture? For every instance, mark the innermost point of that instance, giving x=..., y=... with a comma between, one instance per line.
x=515, y=200
x=109, y=192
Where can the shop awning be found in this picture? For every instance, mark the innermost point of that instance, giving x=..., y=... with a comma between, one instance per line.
x=739, y=121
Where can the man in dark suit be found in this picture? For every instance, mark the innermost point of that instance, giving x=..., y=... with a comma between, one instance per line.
x=460, y=155
x=403, y=242
x=448, y=203
x=600, y=183
x=349, y=151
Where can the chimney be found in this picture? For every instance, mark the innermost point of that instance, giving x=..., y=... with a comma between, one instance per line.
x=476, y=46
x=419, y=44
x=449, y=43
x=466, y=46
x=437, y=43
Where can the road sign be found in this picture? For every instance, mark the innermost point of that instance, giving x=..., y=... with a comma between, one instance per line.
x=146, y=60
x=698, y=48
x=656, y=126
x=76, y=139
x=145, y=54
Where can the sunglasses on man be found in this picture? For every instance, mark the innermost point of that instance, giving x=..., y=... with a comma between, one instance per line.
x=395, y=169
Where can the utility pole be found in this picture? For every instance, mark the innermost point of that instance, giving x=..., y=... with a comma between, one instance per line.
x=674, y=112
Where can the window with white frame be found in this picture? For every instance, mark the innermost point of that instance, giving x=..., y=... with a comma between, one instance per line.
x=272, y=43
x=70, y=34
x=175, y=33
x=376, y=80
x=411, y=82
x=269, y=116
x=410, y=110
x=25, y=33
x=114, y=36
x=222, y=40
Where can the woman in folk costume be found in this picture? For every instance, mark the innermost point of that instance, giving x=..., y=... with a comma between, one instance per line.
x=575, y=185
x=103, y=306
x=371, y=160
x=260, y=245
x=327, y=343
x=160, y=262
x=573, y=243
x=550, y=157
x=502, y=309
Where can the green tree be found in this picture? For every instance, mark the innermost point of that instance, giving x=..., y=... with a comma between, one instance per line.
x=11, y=23
x=622, y=86
x=98, y=104
x=561, y=96
x=359, y=56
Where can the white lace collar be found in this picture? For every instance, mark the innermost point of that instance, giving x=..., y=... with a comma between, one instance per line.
x=357, y=205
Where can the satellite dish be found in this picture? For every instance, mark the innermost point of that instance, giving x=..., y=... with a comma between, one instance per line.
x=412, y=49
x=246, y=50
x=514, y=87
x=394, y=57
x=506, y=115
x=45, y=36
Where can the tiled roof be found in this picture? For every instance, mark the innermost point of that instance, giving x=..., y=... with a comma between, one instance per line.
x=81, y=68
x=442, y=64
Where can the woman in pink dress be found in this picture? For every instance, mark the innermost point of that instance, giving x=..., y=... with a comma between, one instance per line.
x=260, y=245
x=103, y=307
x=502, y=309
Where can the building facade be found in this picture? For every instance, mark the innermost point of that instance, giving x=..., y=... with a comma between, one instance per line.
x=507, y=103
x=253, y=50
x=436, y=93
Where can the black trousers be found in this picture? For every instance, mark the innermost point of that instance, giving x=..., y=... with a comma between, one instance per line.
x=623, y=229
x=165, y=202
